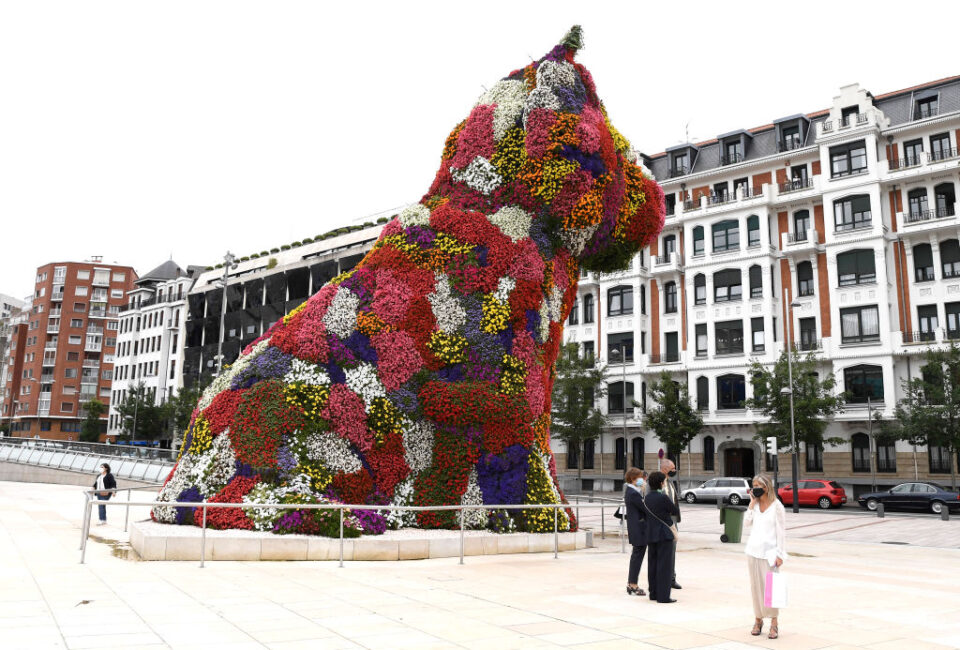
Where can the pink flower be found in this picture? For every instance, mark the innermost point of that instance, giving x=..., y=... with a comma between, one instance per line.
x=347, y=417
x=476, y=139
x=527, y=263
x=391, y=298
x=538, y=131
x=398, y=357
x=591, y=121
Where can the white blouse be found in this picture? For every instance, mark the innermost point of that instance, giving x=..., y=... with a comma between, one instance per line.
x=767, y=533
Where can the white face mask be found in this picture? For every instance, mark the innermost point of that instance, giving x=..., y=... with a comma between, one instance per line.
x=639, y=482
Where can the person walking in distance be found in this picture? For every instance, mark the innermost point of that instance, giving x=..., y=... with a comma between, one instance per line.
x=636, y=526
x=102, y=485
x=660, y=538
x=765, y=548
x=672, y=490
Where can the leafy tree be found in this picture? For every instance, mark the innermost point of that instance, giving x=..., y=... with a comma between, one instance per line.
x=674, y=419
x=814, y=401
x=91, y=427
x=140, y=417
x=575, y=418
x=180, y=408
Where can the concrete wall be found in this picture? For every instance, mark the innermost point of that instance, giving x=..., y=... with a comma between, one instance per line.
x=23, y=473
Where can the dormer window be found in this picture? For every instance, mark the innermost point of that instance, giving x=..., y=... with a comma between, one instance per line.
x=681, y=164
x=733, y=152
x=849, y=115
x=926, y=107
x=791, y=138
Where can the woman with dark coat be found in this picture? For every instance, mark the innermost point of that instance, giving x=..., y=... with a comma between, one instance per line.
x=660, y=508
x=636, y=526
x=104, y=482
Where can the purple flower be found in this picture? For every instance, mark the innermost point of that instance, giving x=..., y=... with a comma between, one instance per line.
x=340, y=354
x=372, y=521
x=420, y=235
x=269, y=364
x=503, y=478
x=359, y=344
x=190, y=495
x=286, y=461
x=289, y=521
x=242, y=469
x=404, y=399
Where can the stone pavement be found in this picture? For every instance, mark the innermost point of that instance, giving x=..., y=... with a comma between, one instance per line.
x=843, y=594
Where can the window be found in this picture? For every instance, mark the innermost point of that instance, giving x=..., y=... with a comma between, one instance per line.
x=643, y=299
x=939, y=459
x=849, y=115
x=615, y=398
x=726, y=285
x=946, y=200
x=741, y=185
x=681, y=164
x=574, y=317
x=814, y=457
x=917, y=202
x=80, y=291
x=80, y=307
x=726, y=236
x=119, y=277
x=708, y=452
x=76, y=322
x=729, y=337
x=734, y=152
x=731, y=392
x=801, y=224
x=622, y=342
x=753, y=230
x=620, y=301
x=912, y=153
x=116, y=293
x=636, y=452
x=670, y=201
x=798, y=176
x=588, y=352
x=620, y=453
x=66, y=407
x=848, y=159
x=643, y=342
x=83, y=275
x=588, y=308
x=923, y=263
x=74, y=340
x=927, y=315
x=670, y=297
x=669, y=246
x=860, y=324
x=926, y=107
x=886, y=456
x=940, y=147
x=643, y=396
x=588, y=454
x=672, y=346
x=756, y=282
x=808, y=333
x=860, y=444
x=719, y=192
x=698, y=241
x=756, y=328
x=703, y=394
x=863, y=382
x=952, y=310
x=701, y=339
x=700, y=289
x=791, y=138
x=852, y=212
x=856, y=267
x=804, y=279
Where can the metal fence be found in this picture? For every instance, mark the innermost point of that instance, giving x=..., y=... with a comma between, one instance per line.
x=135, y=468
x=126, y=451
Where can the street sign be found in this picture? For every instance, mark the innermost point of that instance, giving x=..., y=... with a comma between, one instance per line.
x=660, y=453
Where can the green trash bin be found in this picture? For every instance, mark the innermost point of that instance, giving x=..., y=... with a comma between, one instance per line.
x=732, y=519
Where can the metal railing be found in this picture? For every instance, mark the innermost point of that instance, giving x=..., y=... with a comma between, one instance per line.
x=865, y=222
x=678, y=171
x=905, y=163
x=204, y=506
x=731, y=159
x=719, y=198
x=99, y=448
x=669, y=357
x=796, y=185
x=942, y=154
x=134, y=469
x=797, y=237
x=789, y=145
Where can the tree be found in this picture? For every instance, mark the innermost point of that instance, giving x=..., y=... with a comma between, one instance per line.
x=929, y=414
x=575, y=418
x=814, y=401
x=91, y=427
x=180, y=409
x=140, y=417
x=674, y=420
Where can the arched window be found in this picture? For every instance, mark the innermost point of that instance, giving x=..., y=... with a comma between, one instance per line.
x=726, y=236
x=863, y=382
x=703, y=394
x=700, y=289
x=731, y=391
x=708, y=453
x=856, y=267
x=615, y=397
x=860, y=444
x=636, y=452
x=574, y=313
x=945, y=198
x=670, y=297
x=756, y=281
x=923, y=263
x=620, y=453
x=727, y=285
x=620, y=301
x=588, y=446
x=804, y=279
x=917, y=202
x=814, y=457
x=588, y=308
x=698, y=241
x=753, y=230
x=950, y=258
x=801, y=224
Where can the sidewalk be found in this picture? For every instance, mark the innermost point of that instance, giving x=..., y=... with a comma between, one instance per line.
x=843, y=595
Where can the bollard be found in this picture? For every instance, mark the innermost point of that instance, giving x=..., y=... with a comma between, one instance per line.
x=603, y=523
x=880, y=512
x=556, y=538
x=84, y=527
x=126, y=520
x=86, y=532
x=341, y=537
x=945, y=513
x=462, y=522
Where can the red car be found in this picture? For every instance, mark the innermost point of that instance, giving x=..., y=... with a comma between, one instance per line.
x=818, y=492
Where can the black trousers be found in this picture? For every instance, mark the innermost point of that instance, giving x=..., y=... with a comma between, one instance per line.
x=636, y=560
x=660, y=570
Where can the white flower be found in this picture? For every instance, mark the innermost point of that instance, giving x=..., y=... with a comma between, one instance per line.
x=450, y=315
x=213, y=469
x=363, y=381
x=480, y=174
x=223, y=381
x=556, y=305
x=333, y=452
x=505, y=117
x=415, y=215
x=341, y=316
x=177, y=484
x=556, y=74
x=509, y=96
x=504, y=287
x=304, y=372
x=473, y=496
x=263, y=518
x=513, y=222
x=544, y=326
x=417, y=445
x=576, y=240
x=402, y=496
x=540, y=97
x=554, y=495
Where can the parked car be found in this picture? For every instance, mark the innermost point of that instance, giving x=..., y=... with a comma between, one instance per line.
x=912, y=496
x=817, y=492
x=731, y=489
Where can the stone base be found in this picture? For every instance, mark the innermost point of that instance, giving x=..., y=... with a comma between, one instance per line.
x=153, y=541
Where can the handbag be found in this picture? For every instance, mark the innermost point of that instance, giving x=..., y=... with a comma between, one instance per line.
x=620, y=512
x=672, y=527
x=775, y=591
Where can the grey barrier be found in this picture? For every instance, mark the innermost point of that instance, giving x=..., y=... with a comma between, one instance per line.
x=130, y=451
x=135, y=468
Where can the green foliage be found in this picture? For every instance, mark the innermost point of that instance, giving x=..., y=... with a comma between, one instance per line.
x=245, y=258
x=180, y=408
x=91, y=426
x=382, y=220
x=285, y=247
x=674, y=420
x=575, y=418
x=141, y=418
x=274, y=250
x=296, y=244
x=814, y=401
x=272, y=262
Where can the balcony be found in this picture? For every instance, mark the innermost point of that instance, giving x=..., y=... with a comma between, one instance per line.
x=55, y=312
x=669, y=263
x=731, y=159
x=50, y=345
x=808, y=345
x=94, y=329
x=907, y=162
x=943, y=154
x=923, y=111
x=668, y=357
x=93, y=347
x=720, y=198
x=829, y=127
x=53, y=328
x=91, y=363
x=789, y=145
x=925, y=216
x=796, y=185
x=917, y=337
x=98, y=313
x=44, y=406
x=679, y=171
x=50, y=359
x=57, y=295
x=863, y=223
x=798, y=242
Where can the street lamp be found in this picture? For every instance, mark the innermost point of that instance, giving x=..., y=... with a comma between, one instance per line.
x=228, y=264
x=619, y=353
x=794, y=470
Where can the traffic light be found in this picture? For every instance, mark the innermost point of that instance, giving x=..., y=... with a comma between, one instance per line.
x=772, y=445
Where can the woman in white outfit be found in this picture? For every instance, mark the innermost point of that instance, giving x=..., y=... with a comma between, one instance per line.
x=765, y=548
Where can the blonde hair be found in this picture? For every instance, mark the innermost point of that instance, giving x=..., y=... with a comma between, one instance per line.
x=769, y=491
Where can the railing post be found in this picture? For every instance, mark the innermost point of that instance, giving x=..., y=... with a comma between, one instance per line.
x=341, y=536
x=126, y=521
x=556, y=535
x=462, y=522
x=86, y=531
x=83, y=520
x=203, y=536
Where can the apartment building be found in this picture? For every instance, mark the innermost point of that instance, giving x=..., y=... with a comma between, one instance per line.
x=13, y=313
x=149, y=340
x=836, y=229
x=67, y=352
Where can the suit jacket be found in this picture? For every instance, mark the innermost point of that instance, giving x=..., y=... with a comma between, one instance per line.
x=636, y=517
x=676, y=496
x=660, y=508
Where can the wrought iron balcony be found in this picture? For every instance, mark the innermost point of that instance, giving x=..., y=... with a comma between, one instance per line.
x=678, y=171
x=789, y=145
x=731, y=159
x=905, y=163
x=942, y=154
x=796, y=185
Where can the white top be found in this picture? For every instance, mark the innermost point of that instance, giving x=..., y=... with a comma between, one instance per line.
x=100, y=482
x=767, y=533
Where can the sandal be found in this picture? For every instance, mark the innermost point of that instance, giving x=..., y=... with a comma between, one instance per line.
x=635, y=591
x=774, y=632
x=757, y=628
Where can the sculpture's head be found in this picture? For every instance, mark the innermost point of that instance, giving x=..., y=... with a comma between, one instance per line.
x=541, y=139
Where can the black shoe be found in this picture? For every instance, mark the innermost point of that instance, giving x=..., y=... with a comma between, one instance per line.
x=675, y=586
x=635, y=591
x=672, y=600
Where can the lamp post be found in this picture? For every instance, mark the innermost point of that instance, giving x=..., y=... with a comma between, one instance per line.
x=873, y=446
x=618, y=352
x=794, y=469
x=228, y=263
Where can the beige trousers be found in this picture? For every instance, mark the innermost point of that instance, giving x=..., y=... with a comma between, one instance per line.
x=758, y=568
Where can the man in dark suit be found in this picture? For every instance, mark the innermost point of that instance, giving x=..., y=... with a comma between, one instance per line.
x=672, y=489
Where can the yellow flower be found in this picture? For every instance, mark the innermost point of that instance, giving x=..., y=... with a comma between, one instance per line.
x=496, y=314
x=513, y=378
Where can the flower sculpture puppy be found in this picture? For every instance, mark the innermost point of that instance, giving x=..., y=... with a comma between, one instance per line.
x=423, y=376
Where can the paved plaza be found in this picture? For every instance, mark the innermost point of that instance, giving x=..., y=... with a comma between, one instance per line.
x=855, y=582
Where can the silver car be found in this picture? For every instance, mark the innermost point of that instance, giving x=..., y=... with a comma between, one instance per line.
x=730, y=489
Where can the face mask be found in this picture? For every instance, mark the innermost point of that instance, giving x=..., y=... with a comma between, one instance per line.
x=672, y=472
x=639, y=482
x=758, y=492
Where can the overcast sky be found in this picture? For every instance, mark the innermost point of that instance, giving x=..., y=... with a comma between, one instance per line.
x=144, y=130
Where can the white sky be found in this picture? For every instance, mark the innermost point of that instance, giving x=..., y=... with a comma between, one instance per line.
x=140, y=130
